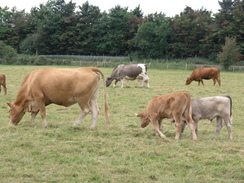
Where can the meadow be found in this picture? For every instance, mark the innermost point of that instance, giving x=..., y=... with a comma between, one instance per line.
x=121, y=151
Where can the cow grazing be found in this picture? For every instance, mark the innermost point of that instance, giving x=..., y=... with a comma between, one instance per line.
x=129, y=72
x=204, y=73
x=59, y=86
x=219, y=107
x=174, y=105
x=3, y=83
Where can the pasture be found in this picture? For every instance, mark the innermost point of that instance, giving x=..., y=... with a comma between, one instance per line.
x=121, y=151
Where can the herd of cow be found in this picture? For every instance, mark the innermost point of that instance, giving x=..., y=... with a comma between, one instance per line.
x=66, y=87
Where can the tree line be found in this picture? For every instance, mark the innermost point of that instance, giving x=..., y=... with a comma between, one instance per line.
x=57, y=27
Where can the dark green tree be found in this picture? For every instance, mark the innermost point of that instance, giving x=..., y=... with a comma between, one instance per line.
x=112, y=32
x=87, y=16
x=191, y=28
x=230, y=53
x=230, y=20
x=153, y=37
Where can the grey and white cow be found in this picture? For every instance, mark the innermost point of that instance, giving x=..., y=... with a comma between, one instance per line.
x=219, y=107
x=129, y=72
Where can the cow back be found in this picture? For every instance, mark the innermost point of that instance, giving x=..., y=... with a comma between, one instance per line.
x=167, y=104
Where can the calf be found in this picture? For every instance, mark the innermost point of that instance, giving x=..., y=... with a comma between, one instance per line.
x=174, y=105
x=129, y=72
x=3, y=83
x=204, y=73
x=219, y=107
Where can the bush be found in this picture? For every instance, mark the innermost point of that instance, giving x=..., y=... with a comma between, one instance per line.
x=230, y=53
x=7, y=52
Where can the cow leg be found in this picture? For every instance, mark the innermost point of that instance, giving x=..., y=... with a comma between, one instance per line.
x=196, y=127
x=214, y=82
x=148, y=83
x=202, y=82
x=94, y=108
x=41, y=106
x=81, y=117
x=116, y=81
x=160, y=125
x=85, y=108
x=146, y=80
x=142, y=82
x=228, y=124
x=157, y=128
x=122, y=83
x=178, y=124
x=4, y=89
x=33, y=116
x=183, y=126
x=219, y=125
x=192, y=125
x=219, y=82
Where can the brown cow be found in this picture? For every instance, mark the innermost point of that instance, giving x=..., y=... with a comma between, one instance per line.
x=174, y=105
x=3, y=83
x=58, y=86
x=204, y=73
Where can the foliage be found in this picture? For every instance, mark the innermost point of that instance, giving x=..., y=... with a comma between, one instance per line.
x=121, y=151
x=230, y=53
x=38, y=60
x=6, y=51
x=59, y=27
x=192, y=30
x=153, y=37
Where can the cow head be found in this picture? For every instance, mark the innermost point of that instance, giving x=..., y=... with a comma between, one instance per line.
x=108, y=81
x=188, y=81
x=144, y=119
x=16, y=113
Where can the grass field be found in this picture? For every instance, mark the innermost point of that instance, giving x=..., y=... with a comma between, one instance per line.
x=121, y=151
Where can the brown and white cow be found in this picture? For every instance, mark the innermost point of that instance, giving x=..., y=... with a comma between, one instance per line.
x=204, y=73
x=219, y=107
x=3, y=83
x=129, y=72
x=59, y=86
x=174, y=105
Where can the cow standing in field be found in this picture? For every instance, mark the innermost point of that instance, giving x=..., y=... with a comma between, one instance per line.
x=129, y=72
x=3, y=83
x=174, y=105
x=219, y=107
x=59, y=86
x=204, y=73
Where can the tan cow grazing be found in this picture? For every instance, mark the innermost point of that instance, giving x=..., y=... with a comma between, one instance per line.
x=59, y=86
x=174, y=105
x=204, y=73
x=3, y=83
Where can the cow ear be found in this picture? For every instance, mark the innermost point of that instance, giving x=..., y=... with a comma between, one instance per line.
x=10, y=104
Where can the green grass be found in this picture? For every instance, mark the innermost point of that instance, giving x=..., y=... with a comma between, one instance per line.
x=121, y=151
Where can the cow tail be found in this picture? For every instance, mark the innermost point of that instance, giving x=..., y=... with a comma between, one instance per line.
x=95, y=69
x=190, y=107
x=230, y=104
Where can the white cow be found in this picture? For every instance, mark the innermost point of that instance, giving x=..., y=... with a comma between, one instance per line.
x=219, y=107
